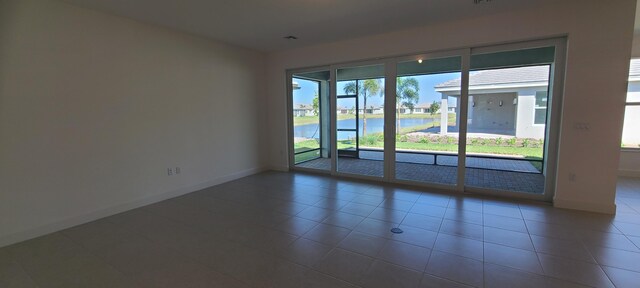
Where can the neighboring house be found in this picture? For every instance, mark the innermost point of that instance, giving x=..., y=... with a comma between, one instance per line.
x=632, y=113
x=425, y=109
x=372, y=110
x=510, y=101
x=303, y=110
x=344, y=110
x=418, y=109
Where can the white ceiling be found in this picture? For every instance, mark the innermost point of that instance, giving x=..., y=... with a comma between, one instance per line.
x=262, y=24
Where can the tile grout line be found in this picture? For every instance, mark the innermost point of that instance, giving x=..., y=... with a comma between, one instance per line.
x=535, y=250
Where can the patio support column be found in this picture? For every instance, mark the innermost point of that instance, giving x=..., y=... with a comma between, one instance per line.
x=325, y=118
x=444, y=115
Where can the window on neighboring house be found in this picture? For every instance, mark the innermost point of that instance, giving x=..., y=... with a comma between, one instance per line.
x=631, y=129
x=540, y=116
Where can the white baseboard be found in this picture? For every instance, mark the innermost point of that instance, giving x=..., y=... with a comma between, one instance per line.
x=585, y=206
x=629, y=173
x=68, y=222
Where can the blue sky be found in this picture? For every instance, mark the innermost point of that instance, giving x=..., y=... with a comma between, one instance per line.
x=307, y=90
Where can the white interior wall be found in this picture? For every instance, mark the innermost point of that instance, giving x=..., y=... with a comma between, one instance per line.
x=94, y=108
x=599, y=44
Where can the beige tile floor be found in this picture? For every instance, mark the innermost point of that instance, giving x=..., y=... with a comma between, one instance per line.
x=301, y=230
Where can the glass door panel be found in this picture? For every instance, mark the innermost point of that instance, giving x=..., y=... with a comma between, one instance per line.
x=360, y=120
x=508, y=115
x=347, y=125
x=427, y=120
x=310, y=115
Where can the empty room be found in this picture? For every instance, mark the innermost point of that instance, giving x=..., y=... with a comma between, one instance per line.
x=319, y=143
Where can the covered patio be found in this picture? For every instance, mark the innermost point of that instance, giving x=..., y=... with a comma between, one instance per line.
x=441, y=168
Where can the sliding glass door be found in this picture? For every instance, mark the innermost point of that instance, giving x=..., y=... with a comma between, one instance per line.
x=427, y=133
x=480, y=120
x=310, y=120
x=359, y=116
x=509, y=113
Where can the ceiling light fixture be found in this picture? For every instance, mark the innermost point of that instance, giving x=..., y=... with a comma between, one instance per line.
x=480, y=1
x=290, y=37
x=420, y=61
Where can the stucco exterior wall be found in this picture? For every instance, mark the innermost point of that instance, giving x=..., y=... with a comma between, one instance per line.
x=526, y=128
x=489, y=116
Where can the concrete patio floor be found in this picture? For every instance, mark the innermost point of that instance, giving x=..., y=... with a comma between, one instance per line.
x=480, y=172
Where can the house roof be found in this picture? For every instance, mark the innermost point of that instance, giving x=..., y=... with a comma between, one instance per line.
x=503, y=76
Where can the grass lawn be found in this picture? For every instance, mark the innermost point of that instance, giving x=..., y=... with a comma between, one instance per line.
x=312, y=144
x=306, y=145
x=303, y=120
x=527, y=152
x=307, y=156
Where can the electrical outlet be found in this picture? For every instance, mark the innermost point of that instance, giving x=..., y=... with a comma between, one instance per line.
x=177, y=170
x=169, y=171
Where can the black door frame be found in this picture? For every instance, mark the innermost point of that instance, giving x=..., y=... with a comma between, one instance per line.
x=347, y=152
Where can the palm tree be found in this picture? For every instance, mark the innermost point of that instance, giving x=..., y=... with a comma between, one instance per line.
x=368, y=88
x=315, y=104
x=406, y=95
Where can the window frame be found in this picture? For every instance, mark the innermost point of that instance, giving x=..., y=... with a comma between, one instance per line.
x=628, y=103
x=536, y=108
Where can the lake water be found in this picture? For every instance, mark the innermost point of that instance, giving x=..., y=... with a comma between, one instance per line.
x=374, y=125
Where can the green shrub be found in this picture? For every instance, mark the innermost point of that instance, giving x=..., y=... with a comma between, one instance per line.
x=370, y=139
x=424, y=140
x=512, y=142
x=526, y=142
x=499, y=141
